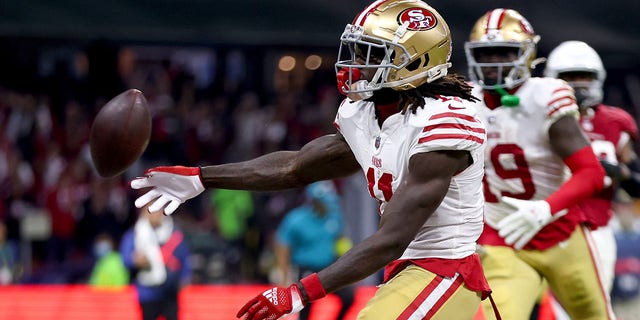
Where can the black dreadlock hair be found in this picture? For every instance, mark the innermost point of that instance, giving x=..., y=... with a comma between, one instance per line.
x=449, y=85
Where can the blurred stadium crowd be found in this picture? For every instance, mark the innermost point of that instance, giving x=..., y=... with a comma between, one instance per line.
x=54, y=205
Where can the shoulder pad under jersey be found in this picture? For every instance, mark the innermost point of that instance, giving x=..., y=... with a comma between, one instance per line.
x=349, y=107
x=440, y=107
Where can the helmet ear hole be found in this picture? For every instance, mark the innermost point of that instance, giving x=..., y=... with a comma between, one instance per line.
x=415, y=65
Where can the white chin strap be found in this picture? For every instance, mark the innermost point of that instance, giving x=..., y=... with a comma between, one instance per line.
x=361, y=91
x=432, y=74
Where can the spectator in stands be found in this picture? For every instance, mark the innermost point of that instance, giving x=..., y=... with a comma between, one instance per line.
x=109, y=269
x=155, y=251
x=307, y=240
x=8, y=258
x=625, y=293
x=233, y=209
x=100, y=214
x=64, y=203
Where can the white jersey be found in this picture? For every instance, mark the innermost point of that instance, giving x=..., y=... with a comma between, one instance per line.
x=521, y=163
x=384, y=153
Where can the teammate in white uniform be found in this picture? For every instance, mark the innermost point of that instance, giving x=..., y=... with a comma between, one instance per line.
x=413, y=130
x=539, y=167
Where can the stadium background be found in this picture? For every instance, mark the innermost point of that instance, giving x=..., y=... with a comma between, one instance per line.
x=31, y=28
x=232, y=49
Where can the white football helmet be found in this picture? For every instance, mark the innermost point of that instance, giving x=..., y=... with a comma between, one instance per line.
x=577, y=56
x=502, y=28
x=406, y=41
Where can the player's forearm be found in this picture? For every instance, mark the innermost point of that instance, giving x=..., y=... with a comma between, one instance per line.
x=403, y=217
x=266, y=173
x=367, y=257
x=363, y=260
x=327, y=157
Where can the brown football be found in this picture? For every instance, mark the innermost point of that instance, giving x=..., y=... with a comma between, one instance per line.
x=120, y=133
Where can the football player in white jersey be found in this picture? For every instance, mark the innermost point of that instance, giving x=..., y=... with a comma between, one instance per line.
x=539, y=166
x=413, y=131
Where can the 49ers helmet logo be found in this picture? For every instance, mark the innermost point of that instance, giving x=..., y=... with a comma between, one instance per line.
x=419, y=19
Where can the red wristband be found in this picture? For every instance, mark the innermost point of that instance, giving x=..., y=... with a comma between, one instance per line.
x=313, y=287
x=587, y=178
x=180, y=170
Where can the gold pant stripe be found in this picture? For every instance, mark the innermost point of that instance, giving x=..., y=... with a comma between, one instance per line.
x=416, y=293
x=431, y=298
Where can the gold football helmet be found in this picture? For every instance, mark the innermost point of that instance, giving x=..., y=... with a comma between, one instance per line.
x=407, y=42
x=508, y=29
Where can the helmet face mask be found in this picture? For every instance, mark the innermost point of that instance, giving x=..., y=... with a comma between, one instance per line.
x=507, y=30
x=580, y=65
x=370, y=54
x=510, y=73
x=586, y=93
x=397, y=44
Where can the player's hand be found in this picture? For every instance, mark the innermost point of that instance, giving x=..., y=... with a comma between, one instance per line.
x=278, y=302
x=274, y=303
x=141, y=261
x=171, y=186
x=520, y=227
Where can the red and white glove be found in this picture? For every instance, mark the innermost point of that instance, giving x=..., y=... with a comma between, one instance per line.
x=278, y=302
x=171, y=186
x=520, y=227
x=274, y=303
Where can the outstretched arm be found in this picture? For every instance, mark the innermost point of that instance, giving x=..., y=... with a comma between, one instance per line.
x=324, y=158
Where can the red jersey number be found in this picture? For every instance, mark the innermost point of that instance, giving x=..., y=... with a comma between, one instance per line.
x=521, y=172
x=383, y=184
